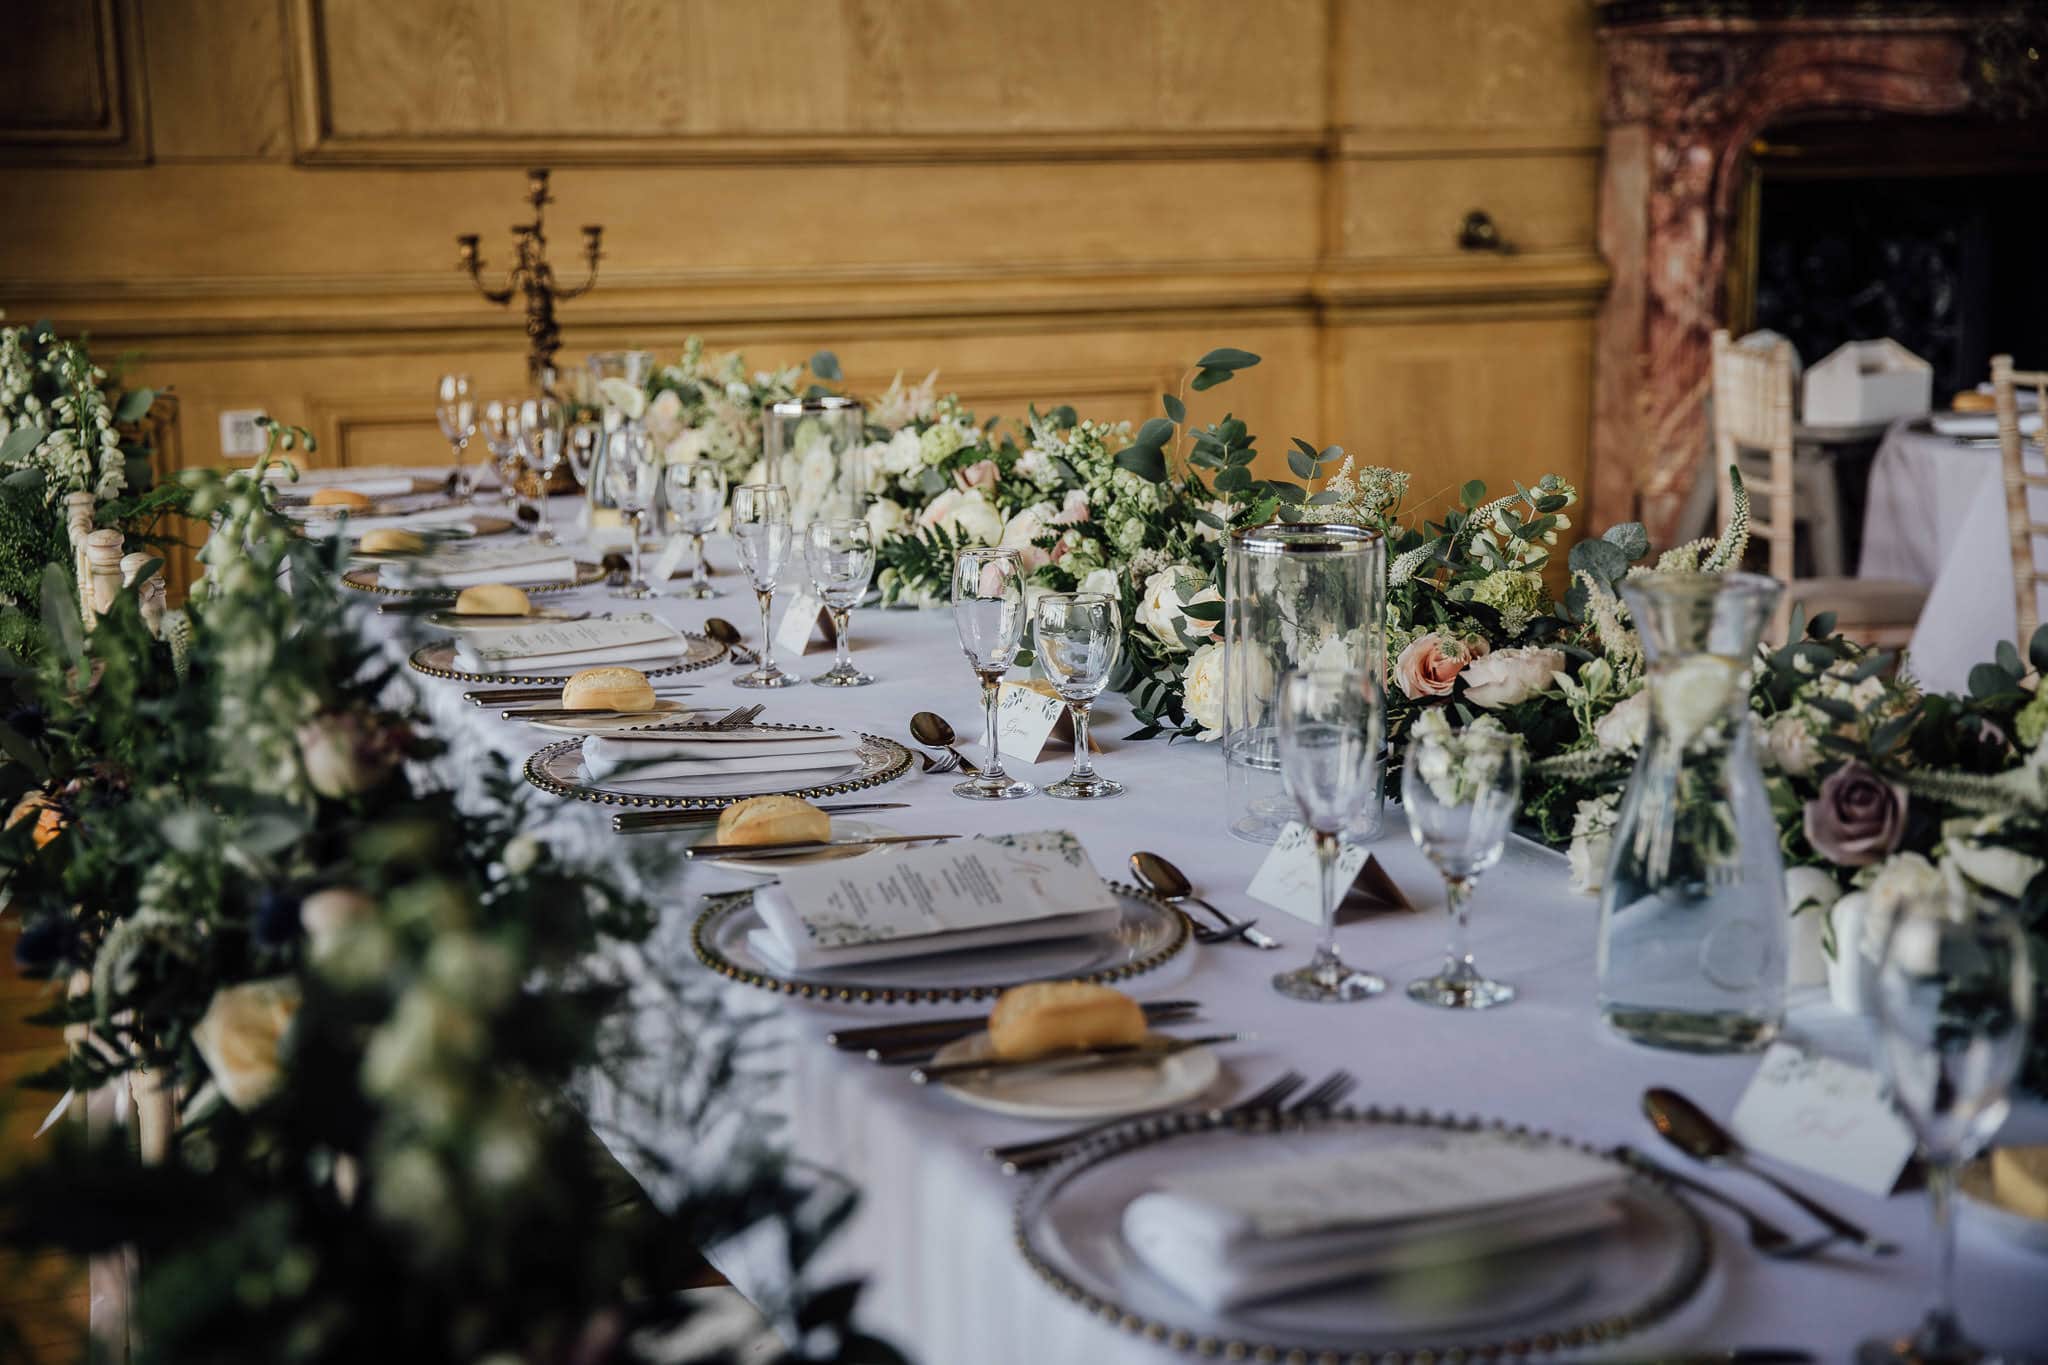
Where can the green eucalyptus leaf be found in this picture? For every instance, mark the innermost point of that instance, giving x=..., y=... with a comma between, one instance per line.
x=1148, y=463
x=1304, y=466
x=2037, y=650
x=1227, y=358
x=1473, y=493
x=1209, y=379
x=1988, y=680
x=1330, y=455
x=1821, y=626
x=1603, y=559
x=134, y=404
x=1176, y=410
x=19, y=443
x=1235, y=479
x=825, y=365
x=60, y=615
x=1629, y=537
x=2009, y=660
x=1156, y=432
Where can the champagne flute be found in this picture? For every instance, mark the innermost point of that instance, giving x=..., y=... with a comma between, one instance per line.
x=840, y=554
x=629, y=475
x=1954, y=1001
x=1460, y=791
x=1079, y=636
x=1326, y=729
x=455, y=410
x=542, y=425
x=762, y=534
x=988, y=612
x=499, y=424
x=696, y=495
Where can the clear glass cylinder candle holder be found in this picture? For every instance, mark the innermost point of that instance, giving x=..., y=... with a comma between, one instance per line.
x=815, y=448
x=1296, y=596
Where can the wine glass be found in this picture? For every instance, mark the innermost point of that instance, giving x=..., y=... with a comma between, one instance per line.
x=762, y=534
x=1326, y=729
x=840, y=554
x=696, y=496
x=1954, y=1001
x=629, y=475
x=584, y=439
x=988, y=612
x=499, y=426
x=1460, y=790
x=455, y=410
x=1079, y=636
x=542, y=425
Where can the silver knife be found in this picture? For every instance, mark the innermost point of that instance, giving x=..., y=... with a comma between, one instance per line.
x=807, y=846
x=646, y=821
x=493, y=696
x=955, y=1026
x=1097, y=1060
x=595, y=712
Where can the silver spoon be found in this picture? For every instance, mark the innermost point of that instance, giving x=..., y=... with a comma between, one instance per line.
x=930, y=729
x=1171, y=885
x=728, y=634
x=1687, y=1127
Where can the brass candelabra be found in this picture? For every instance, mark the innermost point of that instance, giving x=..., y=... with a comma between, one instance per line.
x=533, y=277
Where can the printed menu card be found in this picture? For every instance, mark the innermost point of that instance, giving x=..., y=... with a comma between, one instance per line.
x=570, y=644
x=983, y=892
x=474, y=564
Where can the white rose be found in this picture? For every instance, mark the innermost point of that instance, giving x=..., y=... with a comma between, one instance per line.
x=1791, y=745
x=1100, y=580
x=1625, y=725
x=1694, y=695
x=1507, y=676
x=968, y=515
x=688, y=447
x=903, y=453
x=326, y=915
x=1202, y=690
x=241, y=1034
x=629, y=400
x=1160, y=608
x=1024, y=529
x=1906, y=882
x=886, y=520
x=664, y=414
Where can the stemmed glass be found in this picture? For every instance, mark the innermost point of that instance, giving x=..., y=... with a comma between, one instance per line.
x=455, y=410
x=988, y=611
x=584, y=439
x=840, y=554
x=542, y=424
x=1326, y=729
x=1954, y=1004
x=1079, y=637
x=762, y=534
x=696, y=495
x=1460, y=790
x=630, y=474
x=499, y=425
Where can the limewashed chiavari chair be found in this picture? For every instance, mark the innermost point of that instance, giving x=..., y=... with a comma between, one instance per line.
x=1753, y=413
x=2028, y=578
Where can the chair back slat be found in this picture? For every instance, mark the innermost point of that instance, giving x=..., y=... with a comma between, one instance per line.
x=1753, y=411
x=2028, y=577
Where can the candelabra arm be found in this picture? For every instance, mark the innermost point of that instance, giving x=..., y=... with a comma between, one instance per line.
x=592, y=254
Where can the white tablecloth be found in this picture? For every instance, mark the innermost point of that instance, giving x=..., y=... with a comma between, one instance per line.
x=933, y=1232
x=1936, y=516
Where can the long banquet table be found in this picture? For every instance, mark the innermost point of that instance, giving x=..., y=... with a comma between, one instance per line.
x=933, y=1231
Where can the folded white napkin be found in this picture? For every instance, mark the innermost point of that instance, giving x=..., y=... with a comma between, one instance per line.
x=1228, y=1237
x=493, y=564
x=391, y=487
x=1979, y=423
x=646, y=759
x=460, y=520
x=470, y=658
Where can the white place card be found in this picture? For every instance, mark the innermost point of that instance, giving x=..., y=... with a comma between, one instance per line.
x=1825, y=1115
x=974, y=884
x=554, y=638
x=802, y=625
x=671, y=558
x=1025, y=720
x=1290, y=877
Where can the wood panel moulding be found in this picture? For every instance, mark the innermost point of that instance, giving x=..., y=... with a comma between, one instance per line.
x=71, y=84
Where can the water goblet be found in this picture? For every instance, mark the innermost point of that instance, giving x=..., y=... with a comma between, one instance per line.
x=1325, y=730
x=498, y=423
x=1078, y=637
x=584, y=440
x=840, y=554
x=696, y=497
x=629, y=475
x=1953, y=1004
x=762, y=535
x=455, y=410
x=542, y=426
x=988, y=613
x=1460, y=790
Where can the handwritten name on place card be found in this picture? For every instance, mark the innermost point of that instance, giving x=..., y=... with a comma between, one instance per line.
x=1825, y=1115
x=1025, y=718
x=1290, y=878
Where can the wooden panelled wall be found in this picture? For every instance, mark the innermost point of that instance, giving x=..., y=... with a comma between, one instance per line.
x=1048, y=200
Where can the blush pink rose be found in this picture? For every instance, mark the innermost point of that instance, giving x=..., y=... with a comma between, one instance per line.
x=1074, y=512
x=1430, y=665
x=980, y=474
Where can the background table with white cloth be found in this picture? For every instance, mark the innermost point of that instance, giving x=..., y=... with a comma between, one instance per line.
x=933, y=1232
x=1936, y=516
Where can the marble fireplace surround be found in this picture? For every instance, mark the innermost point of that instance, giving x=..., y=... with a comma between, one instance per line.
x=1689, y=84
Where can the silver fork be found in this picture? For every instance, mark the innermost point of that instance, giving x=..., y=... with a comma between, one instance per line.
x=1324, y=1095
x=942, y=763
x=1019, y=1157
x=1766, y=1237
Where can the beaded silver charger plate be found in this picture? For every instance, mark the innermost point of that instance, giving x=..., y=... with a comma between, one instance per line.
x=365, y=578
x=1577, y=1291
x=1149, y=934
x=558, y=770
x=438, y=661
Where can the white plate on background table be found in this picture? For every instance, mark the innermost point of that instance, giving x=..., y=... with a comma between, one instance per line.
x=1143, y=1087
x=438, y=660
x=558, y=771
x=2022, y=1230
x=846, y=827
x=1149, y=934
x=367, y=578
x=1575, y=1292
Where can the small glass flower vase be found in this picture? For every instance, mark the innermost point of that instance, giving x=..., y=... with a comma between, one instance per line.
x=815, y=447
x=1296, y=596
x=1693, y=925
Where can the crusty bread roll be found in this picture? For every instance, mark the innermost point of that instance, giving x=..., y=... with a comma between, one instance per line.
x=2019, y=1177
x=773, y=820
x=340, y=497
x=1045, y=1017
x=1971, y=401
x=387, y=540
x=493, y=599
x=611, y=688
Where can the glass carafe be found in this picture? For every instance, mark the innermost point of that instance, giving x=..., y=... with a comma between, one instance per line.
x=609, y=370
x=1693, y=928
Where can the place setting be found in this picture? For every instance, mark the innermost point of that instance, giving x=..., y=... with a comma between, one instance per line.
x=418, y=565
x=550, y=650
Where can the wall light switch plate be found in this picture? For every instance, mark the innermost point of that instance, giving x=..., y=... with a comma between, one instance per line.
x=239, y=434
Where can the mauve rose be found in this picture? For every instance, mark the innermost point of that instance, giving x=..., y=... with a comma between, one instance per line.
x=1858, y=818
x=980, y=474
x=1430, y=665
